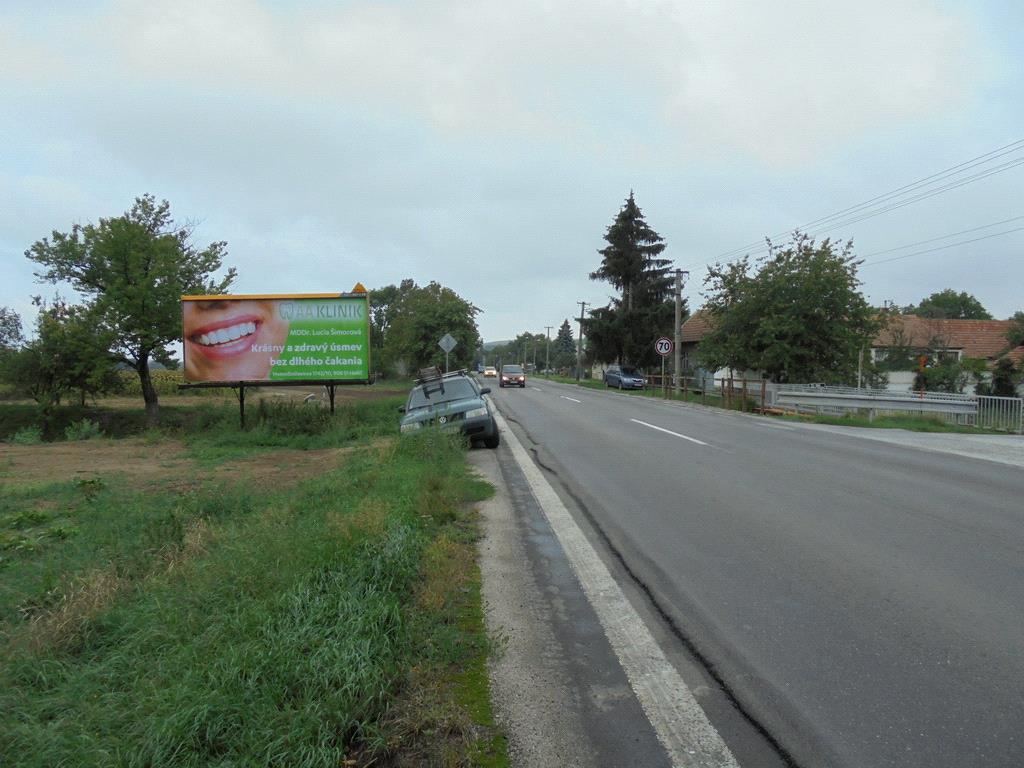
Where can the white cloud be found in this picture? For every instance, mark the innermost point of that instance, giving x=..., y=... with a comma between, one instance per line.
x=774, y=81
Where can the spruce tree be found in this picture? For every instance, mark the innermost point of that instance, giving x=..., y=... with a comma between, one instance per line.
x=563, y=353
x=626, y=329
x=630, y=261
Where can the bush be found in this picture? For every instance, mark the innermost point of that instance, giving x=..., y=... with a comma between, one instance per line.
x=27, y=436
x=1004, y=378
x=950, y=376
x=83, y=430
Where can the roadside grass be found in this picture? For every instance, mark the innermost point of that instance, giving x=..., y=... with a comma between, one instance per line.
x=911, y=423
x=275, y=424
x=333, y=618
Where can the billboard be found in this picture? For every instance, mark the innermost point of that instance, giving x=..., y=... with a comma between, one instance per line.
x=291, y=337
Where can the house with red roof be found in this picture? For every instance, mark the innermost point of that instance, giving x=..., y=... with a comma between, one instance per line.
x=908, y=335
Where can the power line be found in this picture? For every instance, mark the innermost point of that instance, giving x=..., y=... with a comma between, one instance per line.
x=906, y=188
x=922, y=196
x=942, y=237
x=943, y=247
x=952, y=171
x=925, y=195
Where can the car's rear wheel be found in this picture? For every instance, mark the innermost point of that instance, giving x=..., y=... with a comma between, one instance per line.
x=493, y=441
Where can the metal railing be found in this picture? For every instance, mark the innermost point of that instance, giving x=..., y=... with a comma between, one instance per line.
x=1002, y=413
x=984, y=412
x=999, y=413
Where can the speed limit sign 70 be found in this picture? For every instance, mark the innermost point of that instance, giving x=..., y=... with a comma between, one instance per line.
x=663, y=346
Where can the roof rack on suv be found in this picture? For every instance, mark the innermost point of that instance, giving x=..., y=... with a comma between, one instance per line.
x=433, y=375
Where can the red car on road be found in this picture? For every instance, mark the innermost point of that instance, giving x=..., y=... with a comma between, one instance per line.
x=512, y=376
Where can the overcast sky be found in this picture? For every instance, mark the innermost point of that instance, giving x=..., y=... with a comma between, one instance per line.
x=487, y=144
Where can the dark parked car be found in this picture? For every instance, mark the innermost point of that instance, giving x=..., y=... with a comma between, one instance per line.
x=623, y=377
x=512, y=376
x=451, y=401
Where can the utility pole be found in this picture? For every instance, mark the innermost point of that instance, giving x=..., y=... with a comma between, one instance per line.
x=579, y=346
x=547, y=352
x=678, y=327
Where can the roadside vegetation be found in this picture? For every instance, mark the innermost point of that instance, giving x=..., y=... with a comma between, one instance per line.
x=303, y=592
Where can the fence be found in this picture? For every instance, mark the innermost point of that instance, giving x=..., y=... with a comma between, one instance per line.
x=741, y=394
x=1002, y=413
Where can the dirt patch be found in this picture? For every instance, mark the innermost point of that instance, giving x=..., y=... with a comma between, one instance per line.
x=140, y=461
x=143, y=463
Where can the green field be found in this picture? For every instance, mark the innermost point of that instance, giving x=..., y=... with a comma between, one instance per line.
x=301, y=593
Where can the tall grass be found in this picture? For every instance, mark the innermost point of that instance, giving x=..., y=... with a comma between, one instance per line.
x=235, y=628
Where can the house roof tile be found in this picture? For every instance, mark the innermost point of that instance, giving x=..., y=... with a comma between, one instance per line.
x=696, y=326
x=976, y=338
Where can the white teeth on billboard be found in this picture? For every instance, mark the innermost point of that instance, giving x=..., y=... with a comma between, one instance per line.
x=225, y=335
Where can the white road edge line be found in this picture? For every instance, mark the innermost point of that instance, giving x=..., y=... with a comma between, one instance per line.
x=570, y=398
x=681, y=725
x=769, y=425
x=669, y=432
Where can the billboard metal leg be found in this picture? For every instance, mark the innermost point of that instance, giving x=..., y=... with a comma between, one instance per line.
x=330, y=394
x=241, y=405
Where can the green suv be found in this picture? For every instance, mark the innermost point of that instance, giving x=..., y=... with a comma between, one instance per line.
x=450, y=401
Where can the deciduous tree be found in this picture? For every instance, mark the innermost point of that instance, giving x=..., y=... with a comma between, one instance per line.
x=1016, y=333
x=799, y=317
x=10, y=329
x=68, y=354
x=420, y=318
x=133, y=270
x=950, y=305
x=384, y=305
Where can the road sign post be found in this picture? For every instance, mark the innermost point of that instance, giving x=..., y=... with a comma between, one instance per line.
x=664, y=347
x=447, y=343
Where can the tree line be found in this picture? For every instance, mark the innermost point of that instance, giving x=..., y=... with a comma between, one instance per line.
x=130, y=272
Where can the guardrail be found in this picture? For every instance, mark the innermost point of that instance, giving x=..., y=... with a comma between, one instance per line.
x=874, y=401
x=1001, y=413
x=983, y=411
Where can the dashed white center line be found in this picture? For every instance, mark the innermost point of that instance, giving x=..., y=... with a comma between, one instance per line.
x=570, y=398
x=669, y=432
x=537, y=388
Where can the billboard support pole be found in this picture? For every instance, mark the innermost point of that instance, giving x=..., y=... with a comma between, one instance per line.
x=241, y=404
x=238, y=387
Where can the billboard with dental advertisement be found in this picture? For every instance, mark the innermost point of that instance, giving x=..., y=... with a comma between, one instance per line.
x=281, y=337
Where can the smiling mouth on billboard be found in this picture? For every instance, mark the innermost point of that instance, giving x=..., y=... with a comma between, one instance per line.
x=226, y=338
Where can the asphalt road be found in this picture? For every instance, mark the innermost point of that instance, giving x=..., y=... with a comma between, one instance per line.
x=862, y=601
